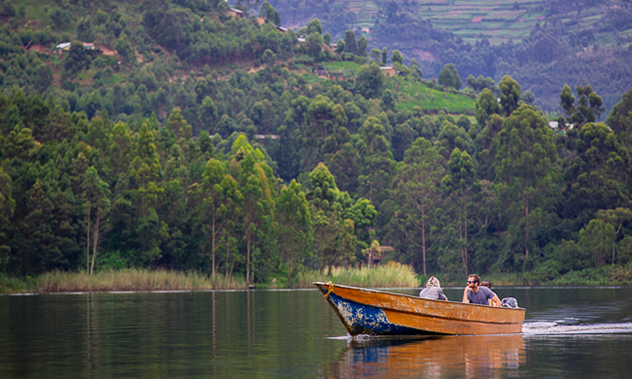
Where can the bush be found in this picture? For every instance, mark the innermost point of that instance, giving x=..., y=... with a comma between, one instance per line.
x=544, y=272
x=360, y=60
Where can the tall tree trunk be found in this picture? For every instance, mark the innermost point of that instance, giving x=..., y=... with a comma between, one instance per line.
x=466, y=258
x=247, y=259
x=615, y=238
x=88, y=242
x=526, y=226
x=612, y=263
x=461, y=248
x=423, y=236
x=213, y=249
x=96, y=239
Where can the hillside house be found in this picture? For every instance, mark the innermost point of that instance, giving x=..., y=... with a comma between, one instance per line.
x=235, y=12
x=388, y=71
x=66, y=46
x=266, y=136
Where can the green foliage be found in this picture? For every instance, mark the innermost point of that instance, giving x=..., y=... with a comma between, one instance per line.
x=270, y=14
x=351, y=44
x=509, y=95
x=125, y=49
x=449, y=77
x=313, y=43
x=369, y=80
x=397, y=57
x=314, y=27
x=526, y=167
x=466, y=195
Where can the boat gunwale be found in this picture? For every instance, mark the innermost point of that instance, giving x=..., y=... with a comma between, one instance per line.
x=412, y=297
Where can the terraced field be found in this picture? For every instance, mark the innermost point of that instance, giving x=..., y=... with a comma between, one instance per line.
x=497, y=20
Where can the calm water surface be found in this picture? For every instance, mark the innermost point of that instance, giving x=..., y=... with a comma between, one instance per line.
x=568, y=333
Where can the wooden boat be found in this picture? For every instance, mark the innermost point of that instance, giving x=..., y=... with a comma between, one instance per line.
x=364, y=311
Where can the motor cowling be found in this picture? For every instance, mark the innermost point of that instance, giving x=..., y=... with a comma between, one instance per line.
x=510, y=302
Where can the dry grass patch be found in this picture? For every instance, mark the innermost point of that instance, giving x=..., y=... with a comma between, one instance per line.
x=134, y=280
x=392, y=275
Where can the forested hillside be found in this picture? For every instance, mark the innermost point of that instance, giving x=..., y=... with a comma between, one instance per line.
x=180, y=135
x=544, y=45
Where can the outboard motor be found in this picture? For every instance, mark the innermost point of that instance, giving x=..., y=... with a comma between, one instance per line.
x=510, y=302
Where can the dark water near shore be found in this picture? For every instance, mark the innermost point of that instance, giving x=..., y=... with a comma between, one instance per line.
x=568, y=333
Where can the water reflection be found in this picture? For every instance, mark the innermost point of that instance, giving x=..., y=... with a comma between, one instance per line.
x=434, y=357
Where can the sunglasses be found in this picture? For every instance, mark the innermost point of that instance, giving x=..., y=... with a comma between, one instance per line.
x=469, y=282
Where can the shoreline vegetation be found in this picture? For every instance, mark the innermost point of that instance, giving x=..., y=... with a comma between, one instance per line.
x=393, y=275
x=390, y=275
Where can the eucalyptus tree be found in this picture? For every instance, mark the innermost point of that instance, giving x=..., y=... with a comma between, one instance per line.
x=213, y=208
x=377, y=160
x=339, y=153
x=452, y=136
x=7, y=209
x=416, y=190
x=145, y=173
x=526, y=169
x=97, y=197
x=334, y=231
x=294, y=237
x=486, y=106
x=620, y=119
x=369, y=80
x=396, y=56
x=458, y=184
x=178, y=124
x=322, y=198
x=351, y=44
x=509, y=95
x=486, y=143
x=595, y=239
x=319, y=124
x=255, y=184
x=615, y=217
x=598, y=176
x=313, y=44
x=449, y=77
x=270, y=14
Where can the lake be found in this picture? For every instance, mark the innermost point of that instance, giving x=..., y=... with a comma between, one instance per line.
x=568, y=333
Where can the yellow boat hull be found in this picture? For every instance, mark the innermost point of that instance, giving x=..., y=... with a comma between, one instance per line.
x=364, y=311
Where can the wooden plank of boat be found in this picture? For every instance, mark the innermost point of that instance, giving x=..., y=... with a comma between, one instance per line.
x=365, y=311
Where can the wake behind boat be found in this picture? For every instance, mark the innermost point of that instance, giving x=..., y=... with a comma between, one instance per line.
x=365, y=311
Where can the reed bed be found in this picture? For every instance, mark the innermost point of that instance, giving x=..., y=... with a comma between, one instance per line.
x=134, y=280
x=392, y=274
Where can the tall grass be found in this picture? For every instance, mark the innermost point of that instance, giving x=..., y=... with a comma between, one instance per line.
x=392, y=274
x=10, y=284
x=134, y=280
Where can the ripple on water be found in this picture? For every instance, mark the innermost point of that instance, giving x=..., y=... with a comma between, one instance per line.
x=573, y=326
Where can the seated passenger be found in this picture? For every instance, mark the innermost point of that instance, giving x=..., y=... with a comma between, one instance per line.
x=433, y=290
x=475, y=294
x=488, y=284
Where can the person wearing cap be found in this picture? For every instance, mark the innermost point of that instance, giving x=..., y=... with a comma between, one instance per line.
x=475, y=294
x=433, y=290
x=488, y=284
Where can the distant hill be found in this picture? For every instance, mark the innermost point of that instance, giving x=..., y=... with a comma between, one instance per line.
x=542, y=44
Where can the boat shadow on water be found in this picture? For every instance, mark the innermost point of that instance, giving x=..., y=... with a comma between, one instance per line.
x=493, y=356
